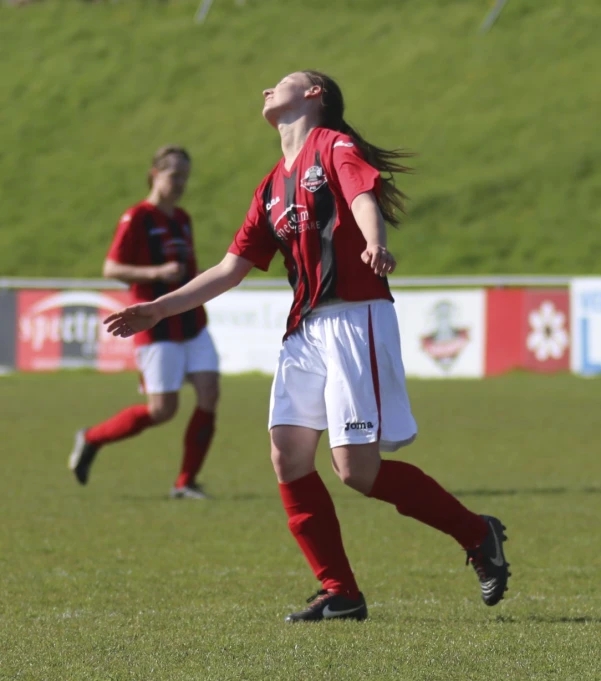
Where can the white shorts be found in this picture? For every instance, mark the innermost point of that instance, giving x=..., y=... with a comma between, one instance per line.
x=165, y=365
x=342, y=370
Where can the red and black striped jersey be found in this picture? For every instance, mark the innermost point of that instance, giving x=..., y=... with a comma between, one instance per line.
x=145, y=235
x=305, y=214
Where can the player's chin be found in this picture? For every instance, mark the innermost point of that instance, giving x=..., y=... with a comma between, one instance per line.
x=270, y=114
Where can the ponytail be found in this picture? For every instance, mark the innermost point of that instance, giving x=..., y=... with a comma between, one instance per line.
x=391, y=200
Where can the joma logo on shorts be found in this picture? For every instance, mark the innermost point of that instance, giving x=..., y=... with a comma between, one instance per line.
x=358, y=425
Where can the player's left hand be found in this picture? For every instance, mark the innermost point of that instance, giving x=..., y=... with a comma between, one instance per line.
x=379, y=259
x=133, y=319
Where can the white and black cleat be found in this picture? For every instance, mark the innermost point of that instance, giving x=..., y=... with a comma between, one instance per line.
x=82, y=457
x=192, y=491
x=488, y=560
x=328, y=606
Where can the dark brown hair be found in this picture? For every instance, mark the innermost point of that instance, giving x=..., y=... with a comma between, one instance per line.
x=159, y=160
x=391, y=200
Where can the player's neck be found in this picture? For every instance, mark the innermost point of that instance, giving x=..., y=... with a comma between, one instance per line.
x=294, y=134
x=167, y=207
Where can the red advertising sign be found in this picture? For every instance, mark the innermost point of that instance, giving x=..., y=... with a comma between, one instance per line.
x=546, y=331
x=63, y=329
x=527, y=329
x=503, y=330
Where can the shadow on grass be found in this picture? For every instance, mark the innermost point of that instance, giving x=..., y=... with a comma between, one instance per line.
x=548, y=619
x=526, y=491
x=250, y=496
x=211, y=499
x=150, y=497
x=353, y=496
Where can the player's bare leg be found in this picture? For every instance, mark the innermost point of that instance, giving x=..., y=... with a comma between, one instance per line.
x=163, y=406
x=293, y=450
x=357, y=465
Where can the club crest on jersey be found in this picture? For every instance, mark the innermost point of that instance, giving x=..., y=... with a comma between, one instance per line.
x=314, y=179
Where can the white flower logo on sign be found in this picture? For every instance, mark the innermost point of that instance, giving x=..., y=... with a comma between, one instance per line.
x=548, y=338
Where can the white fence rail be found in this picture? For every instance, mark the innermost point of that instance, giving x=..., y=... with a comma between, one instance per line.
x=492, y=281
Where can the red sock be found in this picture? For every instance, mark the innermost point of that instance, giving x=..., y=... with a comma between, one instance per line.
x=126, y=423
x=196, y=445
x=313, y=522
x=418, y=496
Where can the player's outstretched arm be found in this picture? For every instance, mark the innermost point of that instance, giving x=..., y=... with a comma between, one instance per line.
x=204, y=287
x=371, y=223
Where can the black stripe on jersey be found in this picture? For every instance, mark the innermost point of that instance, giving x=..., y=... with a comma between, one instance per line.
x=387, y=285
x=293, y=274
x=292, y=217
x=160, y=332
x=325, y=213
x=189, y=318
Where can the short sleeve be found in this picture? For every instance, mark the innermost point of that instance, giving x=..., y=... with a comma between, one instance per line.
x=122, y=248
x=355, y=176
x=254, y=241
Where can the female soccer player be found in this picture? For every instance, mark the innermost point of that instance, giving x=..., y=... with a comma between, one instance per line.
x=324, y=207
x=153, y=252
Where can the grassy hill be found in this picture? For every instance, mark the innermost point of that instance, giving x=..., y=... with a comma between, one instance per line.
x=507, y=124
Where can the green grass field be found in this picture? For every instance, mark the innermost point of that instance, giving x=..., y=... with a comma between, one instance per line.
x=506, y=124
x=115, y=581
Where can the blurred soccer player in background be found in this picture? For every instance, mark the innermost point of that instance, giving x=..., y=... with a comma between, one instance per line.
x=324, y=207
x=153, y=252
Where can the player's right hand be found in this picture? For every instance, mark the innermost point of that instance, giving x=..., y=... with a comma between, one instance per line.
x=379, y=259
x=133, y=319
x=171, y=272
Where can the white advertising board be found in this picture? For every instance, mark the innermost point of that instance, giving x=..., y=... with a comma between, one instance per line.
x=585, y=306
x=442, y=332
x=248, y=327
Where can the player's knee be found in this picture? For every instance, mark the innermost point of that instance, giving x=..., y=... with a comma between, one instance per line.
x=346, y=477
x=282, y=463
x=161, y=413
x=217, y=392
x=355, y=480
x=293, y=452
x=212, y=397
x=291, y=464
x=208, y=396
